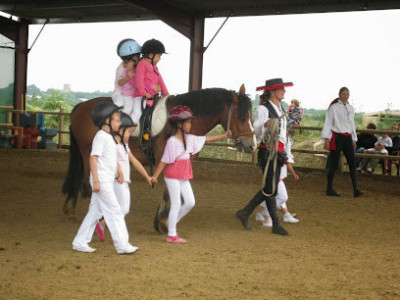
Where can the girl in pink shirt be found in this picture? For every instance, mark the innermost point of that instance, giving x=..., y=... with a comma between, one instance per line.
x=148, y=79
x=177, y=166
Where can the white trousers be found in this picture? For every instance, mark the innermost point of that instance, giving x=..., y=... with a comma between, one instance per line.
x=117, y=99
x=136, y=112
x=281, y=197
x=128, y=105
x=104, y=204
x=176, y=188
x=123, y=194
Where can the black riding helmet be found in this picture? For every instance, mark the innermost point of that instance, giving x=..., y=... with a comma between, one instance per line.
x=102, y=111
x=153, y=46
x=126, y=122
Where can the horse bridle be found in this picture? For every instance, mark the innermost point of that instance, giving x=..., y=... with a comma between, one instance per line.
x=236, y=138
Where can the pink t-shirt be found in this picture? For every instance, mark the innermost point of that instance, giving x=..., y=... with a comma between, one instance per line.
x=119, y=74
x=146, y=79
x=128, y=89
x=178, y=159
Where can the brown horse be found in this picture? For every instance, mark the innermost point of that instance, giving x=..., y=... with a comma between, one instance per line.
x=210, y=106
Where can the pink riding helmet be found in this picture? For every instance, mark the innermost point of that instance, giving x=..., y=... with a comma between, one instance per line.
x=180, y=112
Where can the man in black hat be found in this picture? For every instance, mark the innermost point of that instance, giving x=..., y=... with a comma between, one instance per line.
x=269, y=109
x=339, y=134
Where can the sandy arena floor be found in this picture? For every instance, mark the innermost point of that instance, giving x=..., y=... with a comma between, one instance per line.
x=343, y=248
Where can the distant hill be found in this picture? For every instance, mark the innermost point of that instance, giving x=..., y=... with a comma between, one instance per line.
x=72, y=98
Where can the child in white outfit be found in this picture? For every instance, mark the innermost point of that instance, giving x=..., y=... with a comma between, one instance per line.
x=124, y=158
x=103, y=167
x=129, y=51
x=369, y=164
x=178, y=169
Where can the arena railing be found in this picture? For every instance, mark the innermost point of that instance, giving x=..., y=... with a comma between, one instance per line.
x=241, y=158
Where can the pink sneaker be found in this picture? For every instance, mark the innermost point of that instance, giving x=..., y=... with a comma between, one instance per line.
x=100, y=231
x=175, y=240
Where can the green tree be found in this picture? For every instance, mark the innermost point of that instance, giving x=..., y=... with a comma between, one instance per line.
x=33, y=90
x=53, y=100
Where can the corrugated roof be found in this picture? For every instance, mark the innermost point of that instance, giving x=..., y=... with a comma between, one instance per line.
x=121, y=10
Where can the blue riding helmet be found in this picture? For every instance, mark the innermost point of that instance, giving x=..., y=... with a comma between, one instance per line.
x=102, y=111
x=127, y=48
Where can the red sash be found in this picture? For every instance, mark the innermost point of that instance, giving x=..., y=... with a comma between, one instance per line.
x=332, y=145
x=281, y=147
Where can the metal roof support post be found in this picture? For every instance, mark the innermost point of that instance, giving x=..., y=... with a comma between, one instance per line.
x=196, y=55
x=21, y=63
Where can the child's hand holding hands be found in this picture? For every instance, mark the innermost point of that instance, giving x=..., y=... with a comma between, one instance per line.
x=153, y=180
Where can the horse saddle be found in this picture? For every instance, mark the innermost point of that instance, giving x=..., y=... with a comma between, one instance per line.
x=158, y=120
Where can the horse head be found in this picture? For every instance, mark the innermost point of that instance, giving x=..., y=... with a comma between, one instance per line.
x=240, y=122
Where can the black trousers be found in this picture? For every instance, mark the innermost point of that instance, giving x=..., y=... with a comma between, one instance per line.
x=269, y=185
x=262, y=162
x=343, y=143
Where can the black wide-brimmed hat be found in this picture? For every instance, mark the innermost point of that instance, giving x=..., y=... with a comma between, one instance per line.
x=273, y=84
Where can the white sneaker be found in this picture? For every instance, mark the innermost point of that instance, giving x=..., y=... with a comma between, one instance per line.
x=83, y=248
x=267, y=224
x=129, y=249
x=260, y=217
x=290, y=219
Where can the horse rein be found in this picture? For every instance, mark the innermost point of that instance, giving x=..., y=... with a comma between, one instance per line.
x=270, y=139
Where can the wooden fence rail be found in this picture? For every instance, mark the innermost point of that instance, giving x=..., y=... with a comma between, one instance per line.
x=9, y=125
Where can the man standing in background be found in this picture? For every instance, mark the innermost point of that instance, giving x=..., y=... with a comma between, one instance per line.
x=339, y=134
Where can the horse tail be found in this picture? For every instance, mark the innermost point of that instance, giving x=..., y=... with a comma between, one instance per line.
x=73, y=182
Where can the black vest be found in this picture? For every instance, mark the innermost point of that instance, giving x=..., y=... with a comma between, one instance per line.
x=272, y=114
x=271, y=111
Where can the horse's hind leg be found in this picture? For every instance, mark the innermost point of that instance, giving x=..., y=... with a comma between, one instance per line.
x=162, y=213
x=69, y=209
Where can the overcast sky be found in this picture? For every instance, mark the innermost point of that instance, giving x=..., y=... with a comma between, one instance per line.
x=319, y=53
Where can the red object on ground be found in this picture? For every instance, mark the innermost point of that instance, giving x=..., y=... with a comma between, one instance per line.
x=27, y=137
x=34, y=137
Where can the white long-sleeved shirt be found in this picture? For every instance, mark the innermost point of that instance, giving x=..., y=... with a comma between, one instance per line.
x=288, y=150
x=261, y=116
x=386, y=141
x=340, y=119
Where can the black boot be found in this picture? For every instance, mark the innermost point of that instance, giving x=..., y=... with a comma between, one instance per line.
x=357, y=191
x=332, y=192
x=276, y=223
x=329, y=189
x=244, y=218
x=245, y=213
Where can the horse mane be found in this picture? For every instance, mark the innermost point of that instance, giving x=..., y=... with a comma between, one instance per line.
x=211, y=101
x=244, y=106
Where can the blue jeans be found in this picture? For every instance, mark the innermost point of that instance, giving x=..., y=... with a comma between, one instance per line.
x=358, y=159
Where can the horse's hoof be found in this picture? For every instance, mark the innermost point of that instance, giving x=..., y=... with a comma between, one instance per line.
x=65, y=209
x=70, y=218
x=162, y=226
